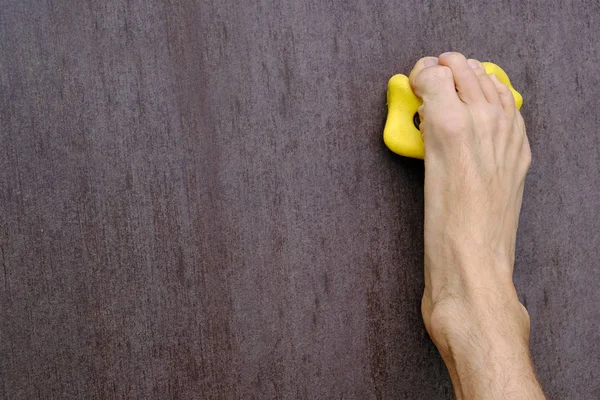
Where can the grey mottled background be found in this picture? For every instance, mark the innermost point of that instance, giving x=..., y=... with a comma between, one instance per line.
x=195, y=200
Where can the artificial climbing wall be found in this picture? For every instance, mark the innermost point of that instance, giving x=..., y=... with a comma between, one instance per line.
x=195, y=200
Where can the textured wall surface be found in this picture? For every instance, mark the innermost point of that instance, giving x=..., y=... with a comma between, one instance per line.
x=195, y=200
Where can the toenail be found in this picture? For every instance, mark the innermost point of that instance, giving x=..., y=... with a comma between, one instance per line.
x=430, y=61
x=474, y=64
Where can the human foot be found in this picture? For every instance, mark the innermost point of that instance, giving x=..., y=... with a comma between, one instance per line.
x=476, y=159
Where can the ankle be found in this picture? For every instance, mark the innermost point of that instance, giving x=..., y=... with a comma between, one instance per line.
x=488, y=320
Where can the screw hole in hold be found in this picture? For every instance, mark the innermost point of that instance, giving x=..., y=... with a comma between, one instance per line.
x=417, y=120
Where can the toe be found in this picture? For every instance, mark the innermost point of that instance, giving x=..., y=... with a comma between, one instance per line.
x=487, y=86
x=467, y=83
x=505, y=95
x=434, y=83
x=421, y=65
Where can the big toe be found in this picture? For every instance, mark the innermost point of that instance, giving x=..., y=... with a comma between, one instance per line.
x=465, y=77
x=432, y=82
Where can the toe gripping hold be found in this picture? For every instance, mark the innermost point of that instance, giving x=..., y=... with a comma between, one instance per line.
x=401, y=133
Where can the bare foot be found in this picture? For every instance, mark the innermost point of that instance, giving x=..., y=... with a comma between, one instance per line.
x=476, y=159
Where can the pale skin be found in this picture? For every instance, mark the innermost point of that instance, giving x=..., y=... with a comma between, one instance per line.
x=476, y=158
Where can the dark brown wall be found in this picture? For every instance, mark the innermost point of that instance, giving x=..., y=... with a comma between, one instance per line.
x=196, y=202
